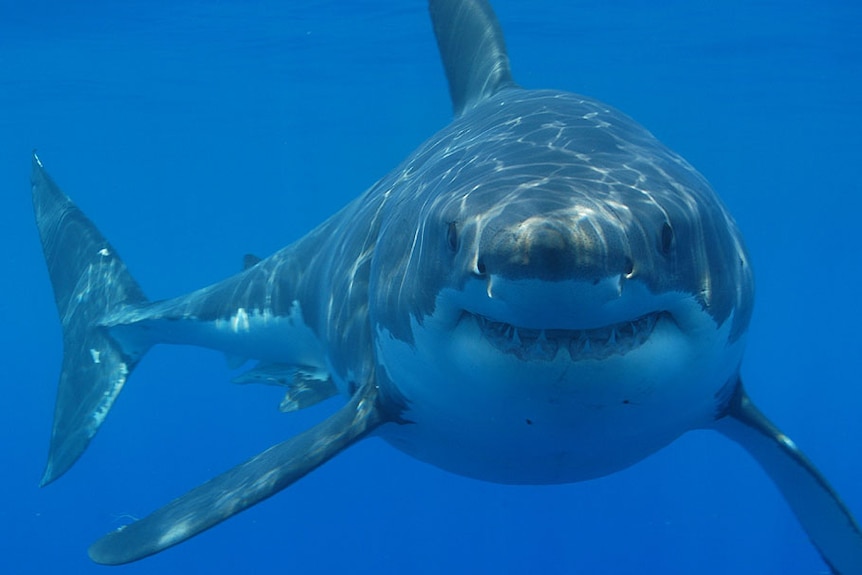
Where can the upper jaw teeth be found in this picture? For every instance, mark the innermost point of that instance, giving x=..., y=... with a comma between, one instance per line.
x=581, y=344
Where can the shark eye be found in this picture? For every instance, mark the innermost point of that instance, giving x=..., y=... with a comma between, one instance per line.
x=666, y=238
x=452, y=237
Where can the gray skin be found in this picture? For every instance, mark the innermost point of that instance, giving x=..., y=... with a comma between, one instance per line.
x=542, y=292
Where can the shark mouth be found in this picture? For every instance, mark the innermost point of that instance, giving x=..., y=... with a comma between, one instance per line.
x=581, y=344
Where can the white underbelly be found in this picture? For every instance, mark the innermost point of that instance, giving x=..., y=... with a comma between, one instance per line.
x=492, y=416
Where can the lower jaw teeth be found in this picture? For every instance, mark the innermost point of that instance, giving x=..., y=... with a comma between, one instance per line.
x=544, y=345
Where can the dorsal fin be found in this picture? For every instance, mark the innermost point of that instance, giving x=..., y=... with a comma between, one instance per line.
x=472, y=49
x=249, y=261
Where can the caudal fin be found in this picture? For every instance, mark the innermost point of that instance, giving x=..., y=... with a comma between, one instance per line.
x=90, y=281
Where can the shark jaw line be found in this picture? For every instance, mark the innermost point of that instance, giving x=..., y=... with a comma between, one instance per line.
x=581, y=344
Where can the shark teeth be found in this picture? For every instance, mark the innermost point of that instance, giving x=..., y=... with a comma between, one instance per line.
x=581, y=344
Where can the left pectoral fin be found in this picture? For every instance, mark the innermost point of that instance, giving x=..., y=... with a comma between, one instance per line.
x=243, y=486
x=826, y=520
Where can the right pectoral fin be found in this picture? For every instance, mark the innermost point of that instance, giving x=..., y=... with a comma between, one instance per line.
x=243, y=486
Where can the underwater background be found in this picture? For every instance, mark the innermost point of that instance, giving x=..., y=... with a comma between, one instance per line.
x=194, y=132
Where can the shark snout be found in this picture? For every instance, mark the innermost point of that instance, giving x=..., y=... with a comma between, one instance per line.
x=555, y=249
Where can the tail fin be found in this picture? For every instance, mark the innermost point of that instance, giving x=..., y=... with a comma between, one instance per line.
x=90, y=281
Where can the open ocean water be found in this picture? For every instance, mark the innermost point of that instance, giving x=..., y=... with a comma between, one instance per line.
x=195, y=132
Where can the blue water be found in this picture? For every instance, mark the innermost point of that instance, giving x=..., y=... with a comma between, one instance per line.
x=194, y=132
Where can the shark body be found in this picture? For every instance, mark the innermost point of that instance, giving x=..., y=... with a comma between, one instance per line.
x=541, y=293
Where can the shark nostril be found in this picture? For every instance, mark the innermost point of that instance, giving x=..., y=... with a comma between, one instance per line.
x=629, y=268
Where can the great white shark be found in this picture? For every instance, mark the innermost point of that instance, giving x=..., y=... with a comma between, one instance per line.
x=540, y=293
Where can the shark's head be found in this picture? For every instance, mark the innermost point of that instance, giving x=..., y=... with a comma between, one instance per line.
x=554, y=291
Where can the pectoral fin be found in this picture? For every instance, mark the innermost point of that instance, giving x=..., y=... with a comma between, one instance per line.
x=826, y=520
x=243, y=486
